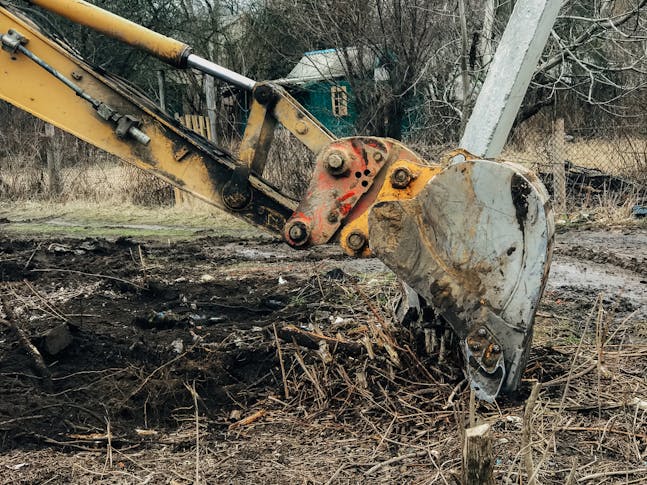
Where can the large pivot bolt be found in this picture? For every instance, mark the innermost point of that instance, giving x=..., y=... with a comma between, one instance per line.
x=335, y=164
x=356, y=241
x=401, y=178
x=265, y=95
x=297, y=233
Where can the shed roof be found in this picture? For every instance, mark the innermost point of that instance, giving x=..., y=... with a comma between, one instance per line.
x=327, y=64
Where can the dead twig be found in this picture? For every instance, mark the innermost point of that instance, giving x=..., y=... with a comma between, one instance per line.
x=310, y=375
x=150, y=376
x=22, y=418
x=45, y=302
x=194, y=395
x=385, y=435
x=395, y=459
x=249, y=419
x=570, y=480
x=456, y=390
x=39, y=362
x=82, y=273
x=576, y=354
x=570, y=376
x=286, y=390
x=108, y=462
x=603, y=430
x=596, y=476
x=33, y=253
x=379, y=332
x=526, y=442
x=312, y=340
x=336, y=474
x=73, y=444
x=472, y=409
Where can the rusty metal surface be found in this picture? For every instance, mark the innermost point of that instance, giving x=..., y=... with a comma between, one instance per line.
x=344, y=172
x=476, y=244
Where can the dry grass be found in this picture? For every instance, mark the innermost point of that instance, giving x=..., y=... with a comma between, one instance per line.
x=94, y=176
x=107, y=182
x=391, y=414
x=621, y=156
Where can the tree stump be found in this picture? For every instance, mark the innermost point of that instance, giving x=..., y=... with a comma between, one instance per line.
x=478, y=463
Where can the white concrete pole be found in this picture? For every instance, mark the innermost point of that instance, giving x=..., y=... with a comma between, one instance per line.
x=509, y=75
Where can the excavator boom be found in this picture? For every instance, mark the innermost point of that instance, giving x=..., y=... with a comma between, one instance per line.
x=472, y=236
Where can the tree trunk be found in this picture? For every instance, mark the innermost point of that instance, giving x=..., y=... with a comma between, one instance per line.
x=53, y=154
x=161, y=86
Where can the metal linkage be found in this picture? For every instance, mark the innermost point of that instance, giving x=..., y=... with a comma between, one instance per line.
x=125, y=125
x=344, y=172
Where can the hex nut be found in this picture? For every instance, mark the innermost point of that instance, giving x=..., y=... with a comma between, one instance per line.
x=335, y=164
x=356, y=241
x=401, y=178
x=298, y=233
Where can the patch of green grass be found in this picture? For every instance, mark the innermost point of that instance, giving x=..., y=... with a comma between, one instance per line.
x=83, y=219
x=87, y=231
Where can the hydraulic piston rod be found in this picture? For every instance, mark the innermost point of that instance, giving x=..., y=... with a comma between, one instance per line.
x=169, y=50
x=220, y=72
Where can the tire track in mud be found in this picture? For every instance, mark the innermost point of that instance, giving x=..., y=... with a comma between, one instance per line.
x=589, y=262
x=637, y=264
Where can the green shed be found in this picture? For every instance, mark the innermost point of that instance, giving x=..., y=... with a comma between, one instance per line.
x=318, y=82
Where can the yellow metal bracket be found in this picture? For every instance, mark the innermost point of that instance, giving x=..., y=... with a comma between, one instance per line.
x=404, y=179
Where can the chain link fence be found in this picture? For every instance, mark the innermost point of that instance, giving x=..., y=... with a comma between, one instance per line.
x=585, y=164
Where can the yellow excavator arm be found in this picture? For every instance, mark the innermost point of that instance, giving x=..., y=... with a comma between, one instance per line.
x=473, y=237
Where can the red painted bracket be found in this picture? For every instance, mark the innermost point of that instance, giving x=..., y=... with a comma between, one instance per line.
x=344, y=172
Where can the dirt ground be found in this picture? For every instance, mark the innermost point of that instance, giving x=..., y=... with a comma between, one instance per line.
x=215, y=359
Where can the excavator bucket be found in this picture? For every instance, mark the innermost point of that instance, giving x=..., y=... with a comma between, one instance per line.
x=476, y=243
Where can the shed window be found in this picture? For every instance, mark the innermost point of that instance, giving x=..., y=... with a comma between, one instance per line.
x=339, y=97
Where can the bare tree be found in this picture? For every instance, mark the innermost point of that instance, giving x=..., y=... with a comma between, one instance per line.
x=597, y=57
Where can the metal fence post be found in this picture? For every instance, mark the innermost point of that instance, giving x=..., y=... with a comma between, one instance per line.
x=559, y=173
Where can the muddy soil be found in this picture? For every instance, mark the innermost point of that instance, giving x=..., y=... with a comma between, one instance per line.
x=170, y=361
